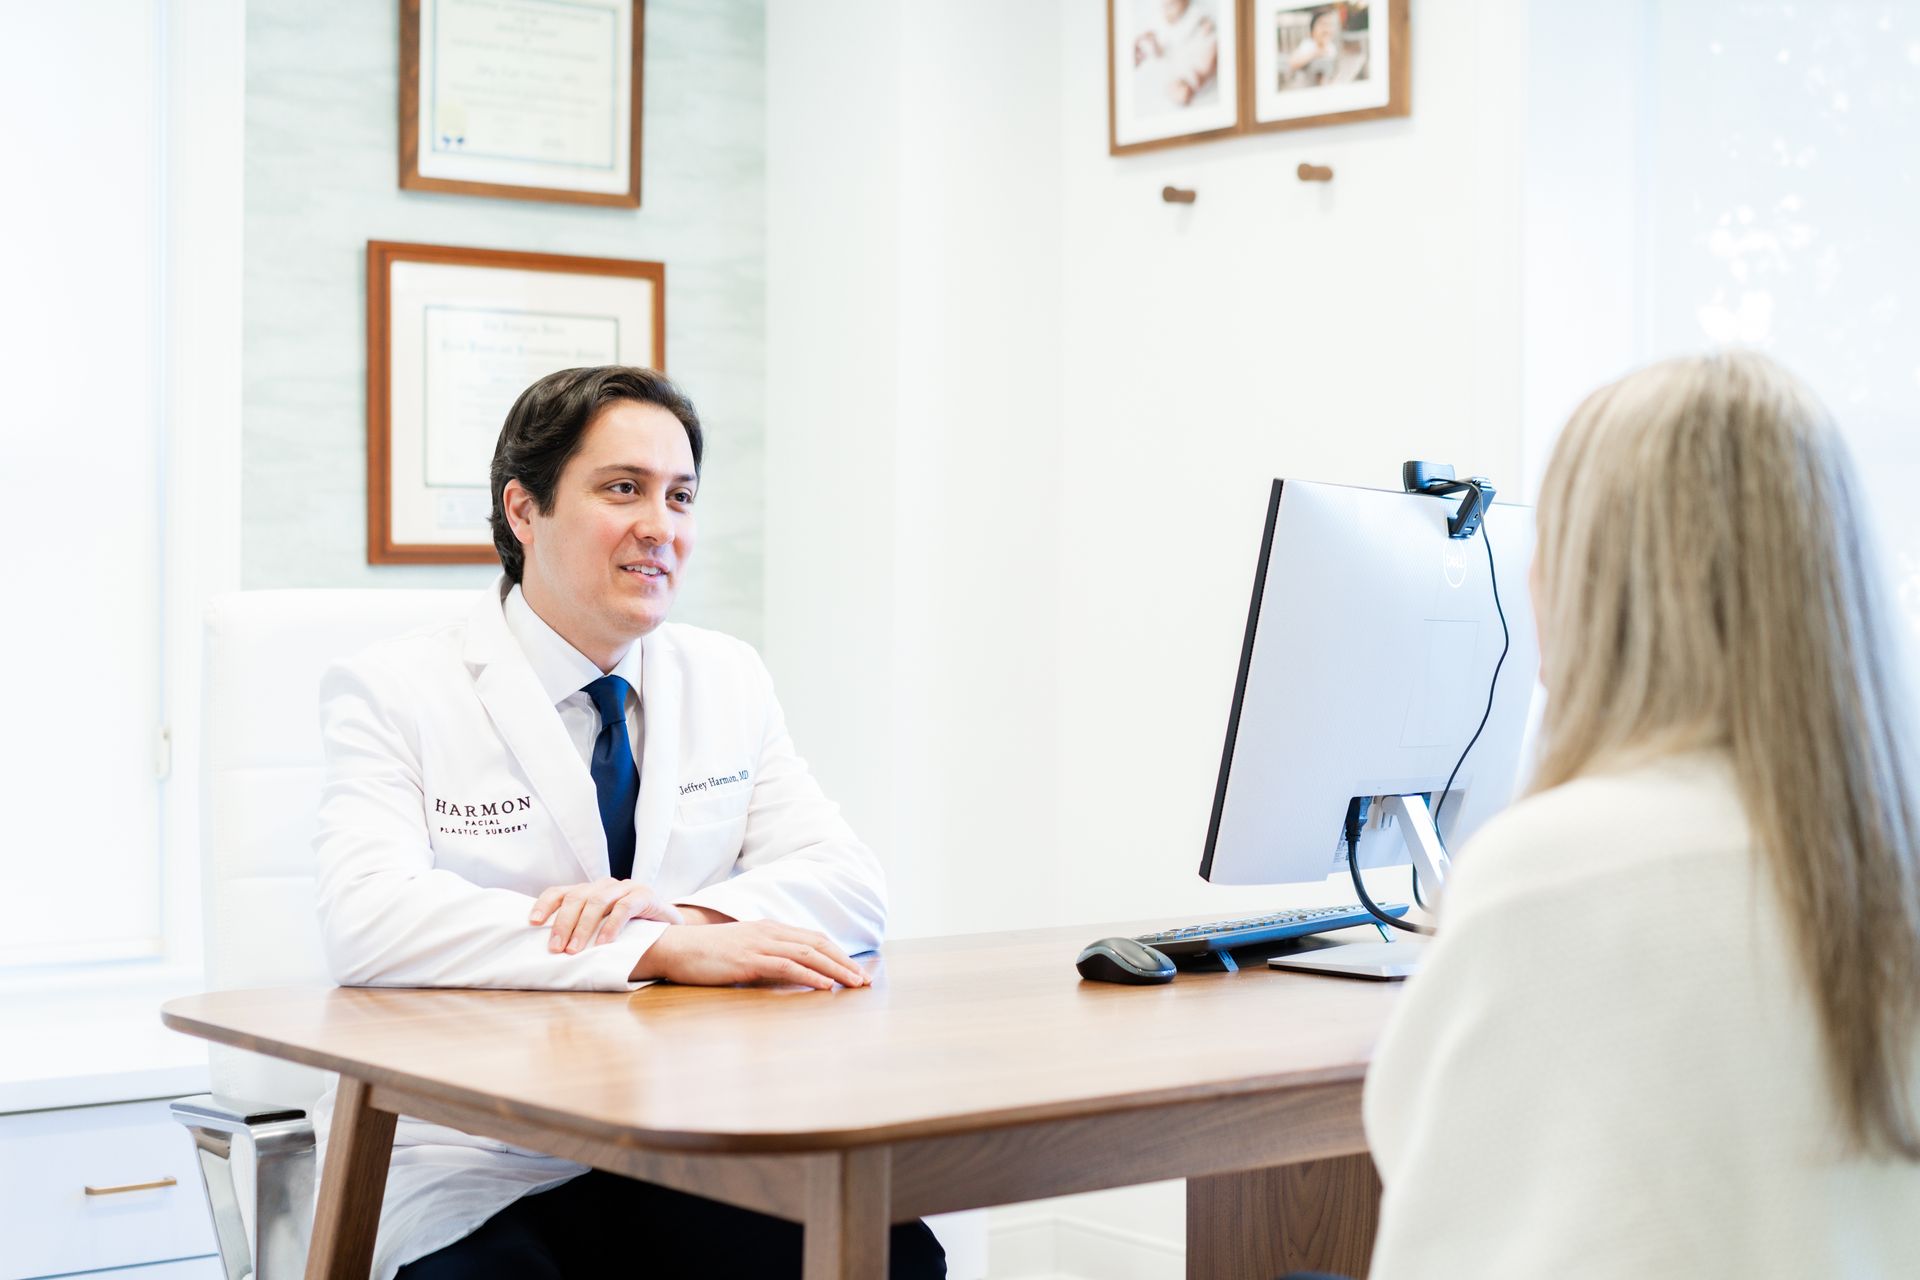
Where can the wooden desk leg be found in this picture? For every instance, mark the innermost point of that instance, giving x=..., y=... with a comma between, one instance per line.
x=352, y=1184
x=849, y=1207
x=1316, y=1216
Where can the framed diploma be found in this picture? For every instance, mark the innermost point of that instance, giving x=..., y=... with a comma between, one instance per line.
x=523, y=99
x=453, y=337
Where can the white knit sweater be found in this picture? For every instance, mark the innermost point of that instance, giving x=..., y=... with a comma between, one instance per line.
x=1609, y=1067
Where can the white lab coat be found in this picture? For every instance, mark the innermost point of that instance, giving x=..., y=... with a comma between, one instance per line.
x=454, y=796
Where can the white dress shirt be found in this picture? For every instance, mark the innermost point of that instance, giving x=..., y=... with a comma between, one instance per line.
x=564, y=672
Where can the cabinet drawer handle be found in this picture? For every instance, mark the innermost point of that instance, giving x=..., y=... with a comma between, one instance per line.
x=133, y=1186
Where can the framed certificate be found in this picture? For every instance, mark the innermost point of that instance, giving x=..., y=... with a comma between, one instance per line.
x=453, y=337
x=523, y=99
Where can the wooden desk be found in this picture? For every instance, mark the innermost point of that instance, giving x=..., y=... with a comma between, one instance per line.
x=975, y=1071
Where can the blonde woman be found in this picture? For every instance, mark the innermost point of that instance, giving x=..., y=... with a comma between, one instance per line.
x=1668, y=1028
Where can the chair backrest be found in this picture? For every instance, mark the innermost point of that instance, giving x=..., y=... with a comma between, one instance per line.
x=261, y=770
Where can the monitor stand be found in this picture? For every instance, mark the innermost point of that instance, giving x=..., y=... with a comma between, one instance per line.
x=1375, y=961
x=1383, y=961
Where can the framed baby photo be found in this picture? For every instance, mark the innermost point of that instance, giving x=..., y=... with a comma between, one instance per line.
x=522, y=99
x=454, y=336
x=1315, y=64
x=1173, y=72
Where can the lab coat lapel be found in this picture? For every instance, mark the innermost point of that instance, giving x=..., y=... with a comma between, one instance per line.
x=532, y=730
x=659, y=756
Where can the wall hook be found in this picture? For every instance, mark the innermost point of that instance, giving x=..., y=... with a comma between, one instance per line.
x=1178, y=195
x=1315, y=173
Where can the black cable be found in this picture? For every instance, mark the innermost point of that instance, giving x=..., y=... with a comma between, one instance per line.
x=1506, y=642
x=1360, y=886
x=1353, y=808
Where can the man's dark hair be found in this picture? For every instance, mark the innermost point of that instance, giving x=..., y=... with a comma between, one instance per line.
x=544, y=428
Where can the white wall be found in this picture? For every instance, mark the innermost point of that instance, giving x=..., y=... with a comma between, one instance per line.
x=832, y=143
x=912, y=437
x=1589, y=130
x=1273, y=328
x=1022, y=415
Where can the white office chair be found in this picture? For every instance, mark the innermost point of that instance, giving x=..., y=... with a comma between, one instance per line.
x=264, y=654
x=261, y=767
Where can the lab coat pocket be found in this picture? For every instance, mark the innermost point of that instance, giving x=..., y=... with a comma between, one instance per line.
x=728, y=804
x=703, y=852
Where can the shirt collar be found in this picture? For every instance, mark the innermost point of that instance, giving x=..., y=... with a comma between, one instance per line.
x=561, y=669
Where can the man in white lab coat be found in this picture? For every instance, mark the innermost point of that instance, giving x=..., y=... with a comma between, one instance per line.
x=564, y=791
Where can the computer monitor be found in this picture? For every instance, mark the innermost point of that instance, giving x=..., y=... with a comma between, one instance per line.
x=1371, y=643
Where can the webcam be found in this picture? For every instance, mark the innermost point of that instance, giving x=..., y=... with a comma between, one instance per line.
x=1436, y=478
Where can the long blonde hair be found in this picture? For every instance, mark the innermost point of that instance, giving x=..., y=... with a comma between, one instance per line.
x=1706, y=580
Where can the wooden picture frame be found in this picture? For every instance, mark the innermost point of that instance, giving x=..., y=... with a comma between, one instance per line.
x=1276, y=100
x=1368, y=77
x=453, y=336
x=577, y=146
x=1163, y=90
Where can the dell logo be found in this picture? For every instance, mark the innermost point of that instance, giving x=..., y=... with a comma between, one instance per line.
x=1454, y=563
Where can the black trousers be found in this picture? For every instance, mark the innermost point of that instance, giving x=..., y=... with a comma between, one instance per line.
x=601, y=1224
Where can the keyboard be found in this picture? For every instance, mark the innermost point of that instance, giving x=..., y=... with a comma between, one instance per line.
x=1221, y=935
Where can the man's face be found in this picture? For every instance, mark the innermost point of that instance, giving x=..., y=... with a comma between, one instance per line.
x=604, y=566
x=1323, y=25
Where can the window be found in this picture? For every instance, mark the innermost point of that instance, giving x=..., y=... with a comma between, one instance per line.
x=1718, y=173
x=1782, y=188
x=120, y=425
x=81, y=872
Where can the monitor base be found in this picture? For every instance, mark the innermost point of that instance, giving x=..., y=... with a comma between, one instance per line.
x=1374, y=961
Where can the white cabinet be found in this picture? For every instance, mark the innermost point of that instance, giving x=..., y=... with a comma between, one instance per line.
x=51, y=1226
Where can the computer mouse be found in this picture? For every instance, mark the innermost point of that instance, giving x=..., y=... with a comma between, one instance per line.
x=1124, y=960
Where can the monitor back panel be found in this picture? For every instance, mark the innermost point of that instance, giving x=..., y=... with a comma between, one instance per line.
x=1370, y=645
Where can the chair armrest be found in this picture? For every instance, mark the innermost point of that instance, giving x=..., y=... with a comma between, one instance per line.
x=283, y=1158
x=231, y=1115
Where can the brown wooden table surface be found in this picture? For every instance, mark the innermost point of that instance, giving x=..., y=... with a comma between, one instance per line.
x=976, y=1070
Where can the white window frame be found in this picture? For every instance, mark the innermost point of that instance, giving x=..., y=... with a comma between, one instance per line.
x=205, y=159
x=201, y=51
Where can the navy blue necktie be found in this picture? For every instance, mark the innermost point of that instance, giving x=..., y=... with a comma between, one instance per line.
x=614, y=776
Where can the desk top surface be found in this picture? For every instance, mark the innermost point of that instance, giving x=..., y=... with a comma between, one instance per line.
x=955, y=1035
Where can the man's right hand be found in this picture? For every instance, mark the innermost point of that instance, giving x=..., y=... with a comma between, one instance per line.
x=721, y=955
x=586, y=915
